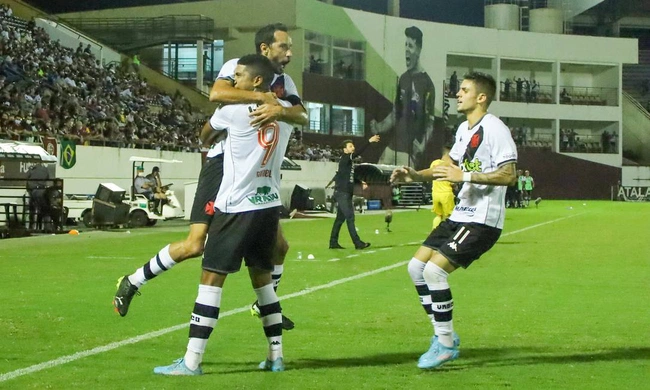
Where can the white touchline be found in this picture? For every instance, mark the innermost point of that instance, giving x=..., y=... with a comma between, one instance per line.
x=151, y=335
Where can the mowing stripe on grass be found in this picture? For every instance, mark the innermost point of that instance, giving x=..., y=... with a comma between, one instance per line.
x=108, y=347
x=150, y=335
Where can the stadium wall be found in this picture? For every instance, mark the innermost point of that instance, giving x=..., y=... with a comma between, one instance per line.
x=97, y=165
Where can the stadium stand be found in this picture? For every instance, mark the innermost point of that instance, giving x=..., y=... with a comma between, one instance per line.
x=47, y=89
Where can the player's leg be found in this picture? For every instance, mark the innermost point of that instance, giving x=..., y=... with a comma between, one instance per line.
x=258, y=255
x=437, y=209
x=223, y=254
x=164, y=260
x=459, y=246
x=445, y=349
x=271, y=316
x=448, y=205
x=279, y=254
x=172, y=254
x=203, y=321
x=415, y=270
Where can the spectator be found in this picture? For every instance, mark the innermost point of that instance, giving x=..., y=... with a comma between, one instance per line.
x=453, y=85
x=565, y=98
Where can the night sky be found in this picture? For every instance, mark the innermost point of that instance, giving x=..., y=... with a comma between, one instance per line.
x=465, y=12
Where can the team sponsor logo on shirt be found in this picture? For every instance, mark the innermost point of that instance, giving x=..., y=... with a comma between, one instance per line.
x=468, y=210
x=263, y=196
x=473, y=166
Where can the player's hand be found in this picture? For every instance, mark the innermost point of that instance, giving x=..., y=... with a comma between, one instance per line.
x=265, y=114
x=402, y=175
x=375, y=138
x=269, y=98
x=448, y=172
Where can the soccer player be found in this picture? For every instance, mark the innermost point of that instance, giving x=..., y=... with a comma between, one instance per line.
x=483, y=159
x=343, y=188
x=273, y=42
x=521, y=180
x=442, y=192
x=245, y=224
x=529, y=185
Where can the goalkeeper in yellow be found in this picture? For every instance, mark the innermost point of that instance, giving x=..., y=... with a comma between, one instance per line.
x=442, y=192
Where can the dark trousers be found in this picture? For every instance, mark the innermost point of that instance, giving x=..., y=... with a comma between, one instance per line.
x=344, y=212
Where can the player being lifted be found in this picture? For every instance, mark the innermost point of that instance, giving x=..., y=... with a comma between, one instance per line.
x=246, y=220
x=273, y=42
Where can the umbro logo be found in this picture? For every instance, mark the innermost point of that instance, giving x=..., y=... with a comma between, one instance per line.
x=275, y=343
x=453, y=246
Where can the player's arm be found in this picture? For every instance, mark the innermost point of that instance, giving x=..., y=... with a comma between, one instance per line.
x=384, y=125
x=407, y=174
x=505, y=175
x=210, y=136
x=266, y=113
x=224, y=92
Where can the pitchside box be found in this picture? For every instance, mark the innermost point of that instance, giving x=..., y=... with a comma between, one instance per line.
x=108, y=209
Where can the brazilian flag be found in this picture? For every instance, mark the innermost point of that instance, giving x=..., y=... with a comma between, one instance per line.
x=68, y=154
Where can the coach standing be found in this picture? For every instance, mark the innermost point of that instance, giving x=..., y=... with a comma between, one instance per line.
x=343, y=188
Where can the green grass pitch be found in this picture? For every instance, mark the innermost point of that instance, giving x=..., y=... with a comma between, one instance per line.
x=561, y=302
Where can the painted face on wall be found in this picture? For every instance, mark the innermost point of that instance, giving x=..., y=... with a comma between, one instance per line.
x=412, y=53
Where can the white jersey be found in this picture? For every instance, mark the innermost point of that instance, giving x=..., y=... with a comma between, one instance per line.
x=483, y=148
x=252, y=160
x=282, y=85
x=217, y=147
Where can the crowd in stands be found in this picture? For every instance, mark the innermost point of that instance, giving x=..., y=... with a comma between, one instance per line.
x=47, y=89
x=311, y=152
x=570, y=141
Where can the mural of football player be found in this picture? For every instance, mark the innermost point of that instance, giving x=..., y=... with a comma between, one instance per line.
x=409, y=127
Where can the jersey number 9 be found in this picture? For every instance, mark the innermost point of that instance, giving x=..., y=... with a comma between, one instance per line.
x=268, y=137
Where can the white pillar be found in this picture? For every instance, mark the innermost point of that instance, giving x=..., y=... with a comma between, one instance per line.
x=199, y=65
x=393, y=8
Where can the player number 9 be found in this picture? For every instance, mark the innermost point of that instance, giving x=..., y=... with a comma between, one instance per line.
x=267, y=137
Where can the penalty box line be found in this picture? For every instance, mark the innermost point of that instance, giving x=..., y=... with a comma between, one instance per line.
x=147, y=336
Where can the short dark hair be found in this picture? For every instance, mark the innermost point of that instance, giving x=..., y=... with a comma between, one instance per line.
x=345, y=143
x=415, y=34
x=266, y=35
x=484, y=84
x=258, y=65
x=155, y=169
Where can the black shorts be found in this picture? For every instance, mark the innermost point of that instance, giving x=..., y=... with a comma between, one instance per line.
x=462, y=243
x=250, y=235
x=206, y=190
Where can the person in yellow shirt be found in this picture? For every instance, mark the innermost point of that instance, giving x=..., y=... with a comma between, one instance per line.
x=442, y=192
